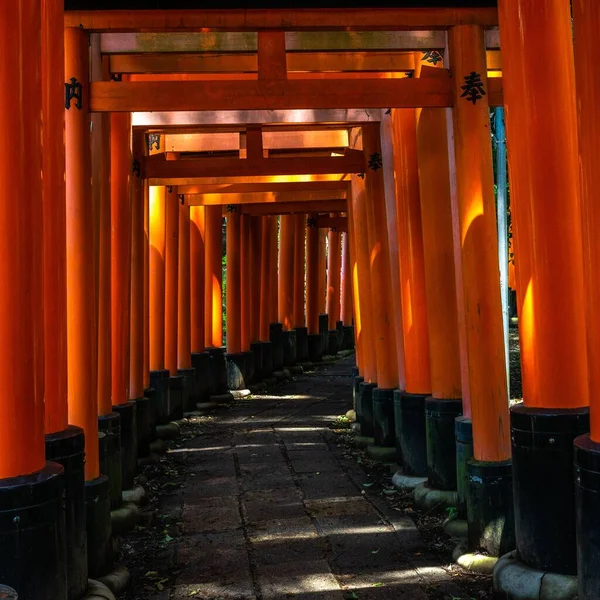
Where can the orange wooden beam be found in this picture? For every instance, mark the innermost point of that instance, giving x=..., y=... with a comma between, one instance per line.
x=237, y=188
x=268, y=95
x=286, y=208
x=263, y=197
x=333, y=222
x=157, y=168
x=359, y=19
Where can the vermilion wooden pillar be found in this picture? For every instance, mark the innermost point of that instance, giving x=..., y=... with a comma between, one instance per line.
x=286, y=271
x=254, y=257
x=410, y=251
x=322, y=271
x=356, y=312
x=157, y=277
x=54, y=216
x=62, y=439
x=81, y=321
x=333, y=277
x=197, y=268
x=381, y=299
x=266, y=260
x=136, y=362
x=273, y=270
x=362, y=281
x=146, y=285
x=543, y=165
x=346, y=279
x=213, y=306
x=120, y=257
x=587, y=447
x=184, y=331
x=171, y=277
x=436, y=216
x=245, y=283
x=101, y=194
x=233, y=292
x=312, y=275
x=21, y=327
x=299, y=258
x=490, y=474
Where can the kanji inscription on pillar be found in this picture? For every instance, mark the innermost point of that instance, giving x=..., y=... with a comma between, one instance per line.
x=432, y=56
x=473, y=89
x=375, y=161
x=73, y=91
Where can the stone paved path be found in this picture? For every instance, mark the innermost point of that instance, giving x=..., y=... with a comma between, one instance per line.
x=271, y=509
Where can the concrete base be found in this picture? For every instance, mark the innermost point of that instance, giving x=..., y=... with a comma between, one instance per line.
x=472, y=561
x=158, y=447
x=137, y=495
x=295, y=370
x=427, y=498
x=124, y=518
x=239, y=394
x=383, y=454
x=514, y=580
x=98, y=591
x=351, y=415
x=220, y=398
x=457, y=528
x=363, y=441
x=407, y=483
x=116, y=581
x=170, y=431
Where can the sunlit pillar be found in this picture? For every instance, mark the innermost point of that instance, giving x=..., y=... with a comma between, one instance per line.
x=541, y=136
x=489, y=498
x=213, y=305
x=334, y=252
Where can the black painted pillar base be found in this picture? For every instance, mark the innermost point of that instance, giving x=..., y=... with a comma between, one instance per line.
x=128, y=415
x=289, y=348
x=159, y=380
x=67, y=449
x=440, y=415
x=324, y=331
x=348, y=337
x=356, y=381
x=411, y=435
x=339, y=327
x=315, y=347
x=276, y=337
x=99, y=533
x=364, y=408
x=176, y=397
x=383, y=417
x=587, y=515
x=237, y=370
x=150, y=393
x=109, y=438
x=143, y=426
x=463, y=431
x=544, y=488
x=33, y=557
x=332, y=342
x=267, y=360
x=218, y=369
x=301, y=344
x=256, y=349
x=188, y=401
x=250, y=368
x=202, y=375
x=490, y=508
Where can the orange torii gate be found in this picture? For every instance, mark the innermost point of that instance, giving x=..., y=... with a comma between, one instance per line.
x=281, y=67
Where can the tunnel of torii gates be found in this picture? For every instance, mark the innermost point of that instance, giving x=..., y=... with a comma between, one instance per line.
x=349, y=154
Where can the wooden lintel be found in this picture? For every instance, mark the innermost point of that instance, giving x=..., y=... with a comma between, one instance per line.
x=282, y=208
x=329, y=222
x=268, y=95
x=278, y=187
x=156, y=167
x=263, y=197
x=347, y=19
x=253, y=179
x=297, y=62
